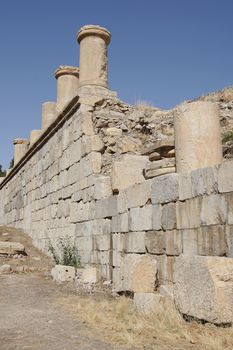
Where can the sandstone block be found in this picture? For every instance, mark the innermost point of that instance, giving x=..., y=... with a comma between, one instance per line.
x=229, y=200
x=204, y=181
x=120, y=223
x=135, y=242
x=103, y=187
x=190, y=241
x=154, y=241
x=138, y=273
x=213, y=210
x=138, y=194
x=150, y=173
x=212, y=240
x=225, y=182
x=173, y=242
x=140, y=219
x=188, y=214
x=165, y=269
x=204, y=288
x=169, y=216
x=157, y=217
x=165, y=189
x=185, y=186
x=229, y=240
x=88, y=275
x=62, y=273
x=128, y=171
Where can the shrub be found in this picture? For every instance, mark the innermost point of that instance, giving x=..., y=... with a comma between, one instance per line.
x=228, y=136
x=66, y=252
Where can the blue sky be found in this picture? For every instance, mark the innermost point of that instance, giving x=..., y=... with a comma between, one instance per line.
x=162, y=51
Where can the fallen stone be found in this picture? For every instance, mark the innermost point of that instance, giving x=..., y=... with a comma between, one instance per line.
x=62, y=273
x=149, y=174
x=5, y=269
x=154, y=156
x=204, y=288
x=11, y=248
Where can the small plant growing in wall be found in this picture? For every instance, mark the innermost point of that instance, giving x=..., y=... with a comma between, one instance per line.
x=65, y=253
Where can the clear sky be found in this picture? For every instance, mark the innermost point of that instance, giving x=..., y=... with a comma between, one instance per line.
x=162, y=51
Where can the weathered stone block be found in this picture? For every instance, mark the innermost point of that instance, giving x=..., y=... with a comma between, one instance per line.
x=11, y=248
x=169, y=216
x=173, y=242
x=204, y=181
x=225, y=181
x=140, y=219
x=185, y=186
x=229, y=240
x=128, y=171
x=103, y=187
x=138, y=194
x=135, y=242
x=204, y=288
x=120, y=223
x=154, y=241
x=102, y=242
x=88, y=275
x=190, y=245
x=188, y=214
x=165, y=189
x=156, y=217
x=165, y=269
x=137, y=274
x=212, y=240
x=213, y=210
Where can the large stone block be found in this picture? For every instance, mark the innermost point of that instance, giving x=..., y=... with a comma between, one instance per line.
x=156, y=217
x=213, y=210
x=140, y=219
x=190, y=241
x=138, y=194
x=154, y=241
x=128, y=171
x=185, y=186
x=165, y=189
x=103, y=187
x=120, y=223
x=169, y=216
x=135, y=242
x=225, y=181
x=212, y=240
x=204, y=181
x=11, y=248
x=204, y=288
x=137, y=274
x=188, y=214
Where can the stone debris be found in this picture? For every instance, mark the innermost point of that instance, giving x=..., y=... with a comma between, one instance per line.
x=161, y=159
x=11, y=248
x=62, y=273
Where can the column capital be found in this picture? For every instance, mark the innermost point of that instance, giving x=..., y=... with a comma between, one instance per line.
x=66, y=70
x=94, y=30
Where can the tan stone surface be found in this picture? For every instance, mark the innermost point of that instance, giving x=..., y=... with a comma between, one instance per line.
x=34, y=135
x=93, y=42
x=197, y=136
x=49, y=114
x=20, y=148
x=11, y=248
x=204, y=288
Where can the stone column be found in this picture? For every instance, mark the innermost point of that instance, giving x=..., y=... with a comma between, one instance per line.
x=67, y=85
x=197, y=136
x=20, y=148
x=49, y=114
x=34, y=135
x=93, y=42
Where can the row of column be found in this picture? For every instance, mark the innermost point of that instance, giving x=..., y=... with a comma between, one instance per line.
x=93, y=71
x=197, y=128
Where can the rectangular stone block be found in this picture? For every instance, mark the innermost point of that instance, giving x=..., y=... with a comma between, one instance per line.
x=103, y=187
x=106, y=207
x=140, y=219
x=212, y=240
x=102, y=242
x=225, y=180
x=185, y=186
x=120, y=223
x=157, y=217
x=138, y=194
x=165, y=269
x=229, y=201
x=204, y=181
x=154, y=242
x=169, y=216
x=188, y=214
x=173, y=242
x=135, y=242
x=229, y=239
x=213, y=210
x=190, y=245
x=165, y=189
x=118, y=241
x=122, y=202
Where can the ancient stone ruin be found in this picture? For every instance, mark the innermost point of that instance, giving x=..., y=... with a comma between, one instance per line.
x=145, y=194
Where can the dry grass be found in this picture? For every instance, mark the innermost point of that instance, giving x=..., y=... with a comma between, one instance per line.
x=118, y=322
x=144, y=106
